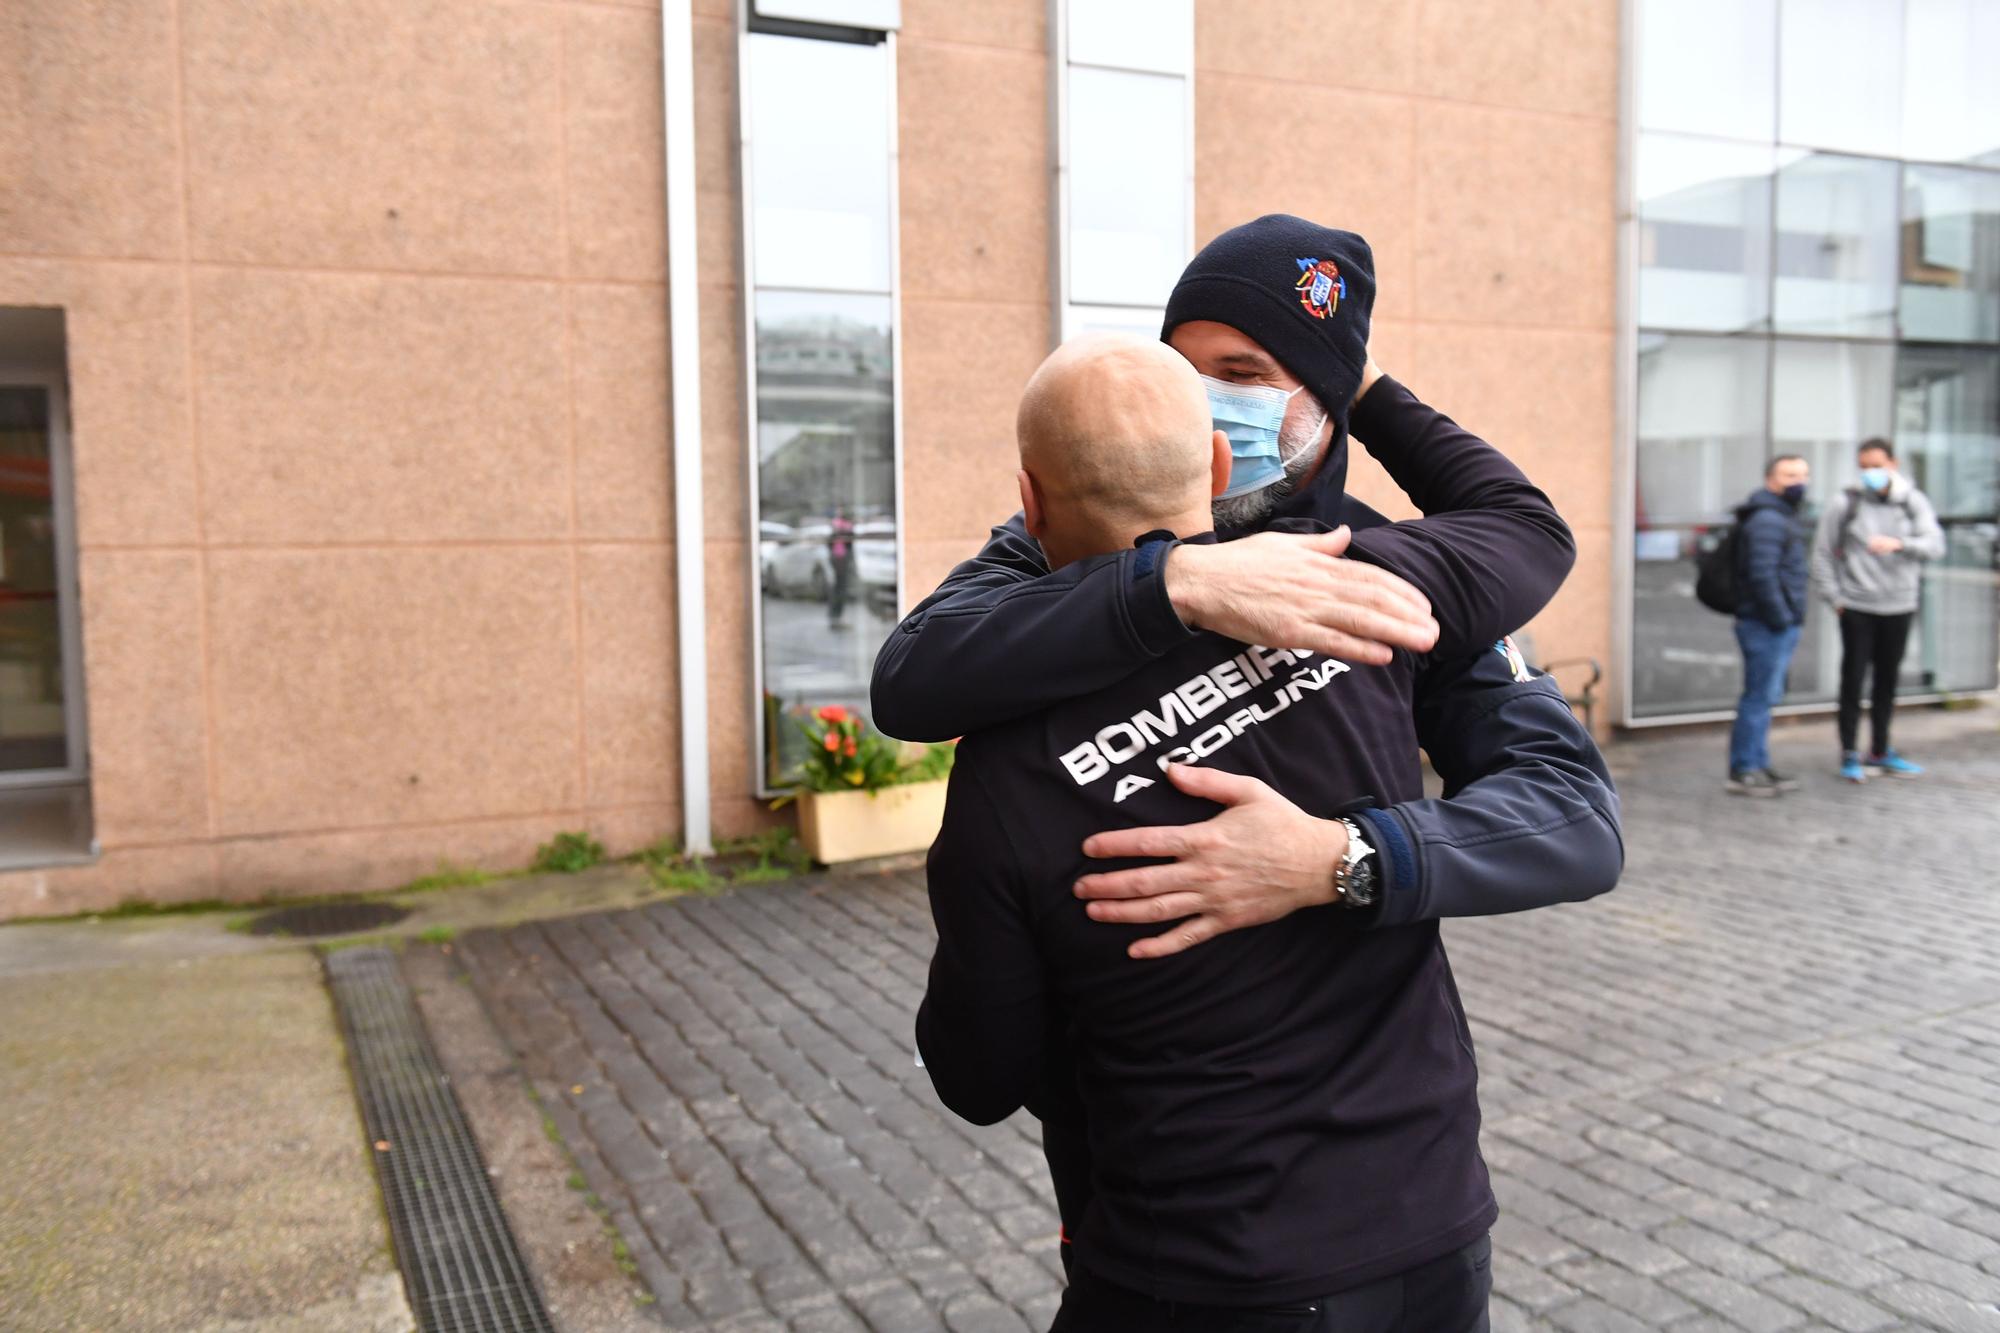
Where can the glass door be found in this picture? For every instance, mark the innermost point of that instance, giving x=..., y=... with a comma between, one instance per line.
x=40, y=705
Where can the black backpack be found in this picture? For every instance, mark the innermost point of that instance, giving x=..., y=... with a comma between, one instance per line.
x=1718, y=568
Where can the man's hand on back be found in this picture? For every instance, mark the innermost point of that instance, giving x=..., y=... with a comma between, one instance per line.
x=1260, y=859
x=1294, y=590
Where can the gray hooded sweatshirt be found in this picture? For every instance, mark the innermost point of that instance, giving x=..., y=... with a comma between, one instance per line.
x=1846, y=575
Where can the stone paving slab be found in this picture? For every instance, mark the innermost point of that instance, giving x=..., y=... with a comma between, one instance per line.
x=1755, y=1088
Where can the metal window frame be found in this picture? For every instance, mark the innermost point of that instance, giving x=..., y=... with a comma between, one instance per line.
x=747, y=202
x=69, y=618
x=1060, y=324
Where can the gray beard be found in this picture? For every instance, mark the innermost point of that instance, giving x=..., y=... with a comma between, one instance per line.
x=1295, y=451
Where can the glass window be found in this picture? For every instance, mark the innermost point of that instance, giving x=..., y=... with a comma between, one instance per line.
x=1155, y=35
x=1951, y=97
x=1835, y=254
x=1948, y=440
x=1128, y=186
x=1708, y=67
x=1839, y=82
x=1948, y=426
x=1951, y=254
x=1704, y=233
x=819, y=164
x=1860, y=290
x=1139, y=322
x=34, y=724
x=1702, y=414
x=1827, y=397
x=823, y=322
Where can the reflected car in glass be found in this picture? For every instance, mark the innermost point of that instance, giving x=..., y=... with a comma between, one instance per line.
x=801, y=565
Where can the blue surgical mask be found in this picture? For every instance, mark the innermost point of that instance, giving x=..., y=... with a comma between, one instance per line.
x=1250, y=415
x=1875, y=478
x=1795, y=493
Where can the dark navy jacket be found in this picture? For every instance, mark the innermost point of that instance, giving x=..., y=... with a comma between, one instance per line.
x=1003, y=637
x=1290, y=1109
x=1772, y=548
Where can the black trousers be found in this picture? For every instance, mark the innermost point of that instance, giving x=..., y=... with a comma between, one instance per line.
x=1447, y=1295
x=1870, y=643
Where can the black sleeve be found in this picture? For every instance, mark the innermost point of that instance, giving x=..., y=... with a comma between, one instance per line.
x=983, y=1023
x=1529, y=815
x=1763, y=548
x=1490, y=551
x=1004, y=637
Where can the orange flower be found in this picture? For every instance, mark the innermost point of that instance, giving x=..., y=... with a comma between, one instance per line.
x=832, y=713
x=832, y=740
x=850, y=746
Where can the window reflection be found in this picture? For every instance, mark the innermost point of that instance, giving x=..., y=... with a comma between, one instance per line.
x=1826, y=397
x=819, y=163
x=1128, y=204
x=819, y=124
x=1948, y=429
x=1702, y=413
x=1951, y=254
x=1835, y=256
x=1948, y=426
x=1798, y=232
x=826, y=475
x=1705, y=233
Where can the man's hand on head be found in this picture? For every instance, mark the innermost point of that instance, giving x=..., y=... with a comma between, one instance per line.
x=1294, y=590
x=1262, y=858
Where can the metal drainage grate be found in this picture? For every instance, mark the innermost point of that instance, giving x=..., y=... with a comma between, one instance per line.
x=459, y=1260
x=327, y=919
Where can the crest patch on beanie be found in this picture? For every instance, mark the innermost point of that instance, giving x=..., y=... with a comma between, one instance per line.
x=1320, y=287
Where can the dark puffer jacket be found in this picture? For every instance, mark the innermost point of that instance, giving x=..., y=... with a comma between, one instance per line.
x=1773, y=551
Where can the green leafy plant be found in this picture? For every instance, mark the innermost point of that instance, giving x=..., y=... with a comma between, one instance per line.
x=438, y=934
x=568, y=853
x=844, y=754
x=671, y=868
x=690, y=875
x=777, y=854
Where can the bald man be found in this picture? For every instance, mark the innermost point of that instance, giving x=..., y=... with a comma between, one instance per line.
x=1281, y=1123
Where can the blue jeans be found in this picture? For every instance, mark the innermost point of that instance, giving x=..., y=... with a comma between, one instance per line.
x=1767, y=653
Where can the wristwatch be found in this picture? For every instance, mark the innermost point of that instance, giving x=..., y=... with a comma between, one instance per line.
x=1354, y=877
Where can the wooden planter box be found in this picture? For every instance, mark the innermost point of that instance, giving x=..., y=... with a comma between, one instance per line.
x=840, y=826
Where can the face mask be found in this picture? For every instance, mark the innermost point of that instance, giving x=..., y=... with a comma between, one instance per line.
x=1250, y=415
x=1795, y=493
x=1875, y=478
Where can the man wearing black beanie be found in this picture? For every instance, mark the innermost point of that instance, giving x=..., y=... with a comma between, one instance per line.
x=1304, y=294
x=1274, y=314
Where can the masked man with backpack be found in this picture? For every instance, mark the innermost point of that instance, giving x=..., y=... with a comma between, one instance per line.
x=1770, y=551
x=1867, y=564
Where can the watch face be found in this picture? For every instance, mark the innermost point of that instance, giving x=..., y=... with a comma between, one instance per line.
x=1360, y=884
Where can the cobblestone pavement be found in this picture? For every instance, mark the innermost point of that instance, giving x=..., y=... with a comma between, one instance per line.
x=1757, y=1087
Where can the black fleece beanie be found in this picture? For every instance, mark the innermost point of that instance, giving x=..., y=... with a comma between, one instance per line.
x=1303, y=293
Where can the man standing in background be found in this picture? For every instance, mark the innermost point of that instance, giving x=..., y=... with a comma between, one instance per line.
x=1867, y=564
x=1770, y=609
